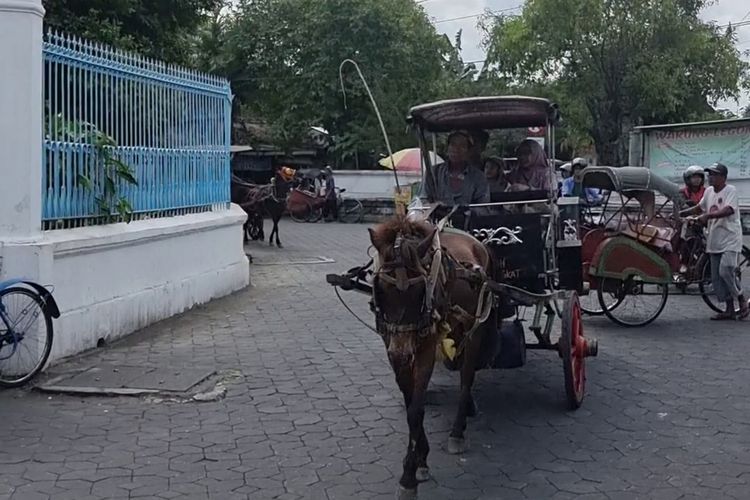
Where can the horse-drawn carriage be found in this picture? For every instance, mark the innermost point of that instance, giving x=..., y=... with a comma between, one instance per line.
x=447, y=275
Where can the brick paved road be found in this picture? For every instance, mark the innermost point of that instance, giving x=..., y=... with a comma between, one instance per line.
x=316, y=413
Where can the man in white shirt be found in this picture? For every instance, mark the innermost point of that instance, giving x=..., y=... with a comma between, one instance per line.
x=720, y=213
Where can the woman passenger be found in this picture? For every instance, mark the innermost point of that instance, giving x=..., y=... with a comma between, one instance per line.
x=532, y=171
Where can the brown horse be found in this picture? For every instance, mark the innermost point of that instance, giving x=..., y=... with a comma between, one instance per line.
x=427, y=285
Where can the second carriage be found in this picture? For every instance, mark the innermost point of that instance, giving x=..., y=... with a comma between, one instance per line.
x=635, y=247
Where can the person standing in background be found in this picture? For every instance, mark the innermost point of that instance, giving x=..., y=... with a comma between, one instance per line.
x=330, y=209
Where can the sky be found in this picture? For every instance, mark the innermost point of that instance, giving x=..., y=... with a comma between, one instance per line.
x=721, y=11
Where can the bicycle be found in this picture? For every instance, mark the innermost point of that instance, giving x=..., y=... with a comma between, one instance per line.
x=350, y=210
x=21, y=304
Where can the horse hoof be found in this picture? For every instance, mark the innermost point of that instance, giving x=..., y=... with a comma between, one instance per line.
x=279, y=245
x=406, y=494
x=423, y=474
x=456, y=446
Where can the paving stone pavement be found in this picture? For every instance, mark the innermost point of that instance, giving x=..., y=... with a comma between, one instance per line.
x=316, y=413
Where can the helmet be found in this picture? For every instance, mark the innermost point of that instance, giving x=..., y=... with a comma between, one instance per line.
x=691, y=171
x=579, y=162
x=567, y=167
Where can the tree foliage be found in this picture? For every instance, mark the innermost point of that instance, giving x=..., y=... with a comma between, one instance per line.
x=618, y=63
x=283, y=58
x=163, y=29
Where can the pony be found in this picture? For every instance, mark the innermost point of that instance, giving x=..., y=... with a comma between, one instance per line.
x=429, y=291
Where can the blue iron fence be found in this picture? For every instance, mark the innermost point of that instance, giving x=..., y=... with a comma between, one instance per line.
x=171, y=125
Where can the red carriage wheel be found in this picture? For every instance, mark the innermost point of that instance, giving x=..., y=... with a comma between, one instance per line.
x=574, y=349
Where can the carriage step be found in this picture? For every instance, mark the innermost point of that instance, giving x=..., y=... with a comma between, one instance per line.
x=342, y=281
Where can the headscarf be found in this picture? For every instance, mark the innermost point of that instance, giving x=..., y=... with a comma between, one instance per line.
x=534, y=172
x=536, y=157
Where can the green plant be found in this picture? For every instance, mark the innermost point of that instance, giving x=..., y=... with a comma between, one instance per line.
x=104, y=173
x=108, y=170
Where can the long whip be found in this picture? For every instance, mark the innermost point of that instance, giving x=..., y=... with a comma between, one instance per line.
x=377, y=112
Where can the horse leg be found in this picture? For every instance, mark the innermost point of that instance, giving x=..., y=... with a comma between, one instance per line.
x=456, y=441
x=273, y=229
x=423, y=373
x=413, y=376
x=276, y=219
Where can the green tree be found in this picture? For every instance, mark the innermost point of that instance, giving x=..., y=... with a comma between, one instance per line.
x=163, y=29
x=283, y=59
x=618, y=63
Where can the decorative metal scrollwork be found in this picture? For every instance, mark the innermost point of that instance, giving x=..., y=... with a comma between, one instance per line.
x=500, y=236
x=570, y=230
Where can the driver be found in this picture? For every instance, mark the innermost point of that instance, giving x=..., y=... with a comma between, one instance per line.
x=694, y=188
x=457, y=181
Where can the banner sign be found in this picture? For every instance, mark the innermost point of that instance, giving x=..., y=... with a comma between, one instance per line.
x=670, y=152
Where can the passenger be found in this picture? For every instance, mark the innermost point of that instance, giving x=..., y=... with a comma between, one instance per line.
x=458, y=181
x=572, y=185
x=480, y=138
x=532, y=171
x=694, y=188
x=494, y=170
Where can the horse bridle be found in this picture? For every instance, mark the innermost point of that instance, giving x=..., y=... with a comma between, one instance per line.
x=430, y=272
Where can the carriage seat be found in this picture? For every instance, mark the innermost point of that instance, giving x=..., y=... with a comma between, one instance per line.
x=660, y=236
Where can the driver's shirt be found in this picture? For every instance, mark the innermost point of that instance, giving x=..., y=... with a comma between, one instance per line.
x=470, y=186
x=725, y=234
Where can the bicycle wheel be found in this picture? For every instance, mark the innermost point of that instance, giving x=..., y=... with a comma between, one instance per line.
x=25, y=342
x=640, y=303
x=350, y=211
x=316, y=213
x=706, y=284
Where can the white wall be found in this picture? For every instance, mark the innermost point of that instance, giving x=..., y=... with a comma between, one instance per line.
x=372, y=184
x=109, y=280
x=113, y=280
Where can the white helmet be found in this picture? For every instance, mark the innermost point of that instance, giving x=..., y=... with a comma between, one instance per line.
x=691, y=171
x=567, y=167
x=579, y=162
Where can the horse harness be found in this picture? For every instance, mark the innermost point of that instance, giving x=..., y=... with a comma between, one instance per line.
x=436, y=268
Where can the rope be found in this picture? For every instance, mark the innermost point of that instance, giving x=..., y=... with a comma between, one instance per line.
x=336, y=289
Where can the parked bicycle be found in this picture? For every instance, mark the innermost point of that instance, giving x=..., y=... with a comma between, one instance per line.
x=26, y=332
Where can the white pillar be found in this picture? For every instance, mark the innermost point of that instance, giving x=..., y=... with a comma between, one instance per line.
x=20, y=119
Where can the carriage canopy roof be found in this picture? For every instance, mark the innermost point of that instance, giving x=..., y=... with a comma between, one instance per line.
x=485, y=112
x=628, y=179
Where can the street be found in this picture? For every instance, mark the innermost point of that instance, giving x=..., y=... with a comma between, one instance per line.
x=312, y=410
